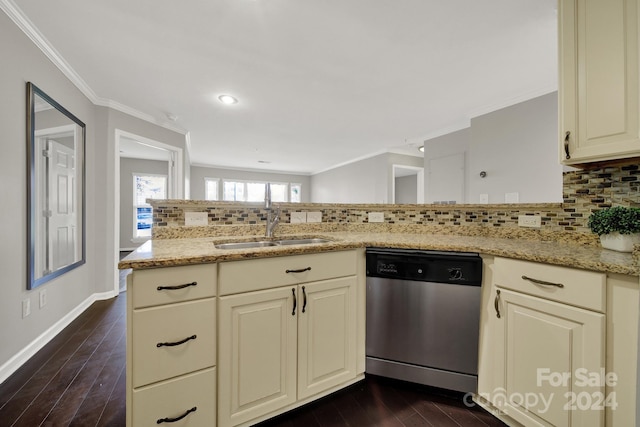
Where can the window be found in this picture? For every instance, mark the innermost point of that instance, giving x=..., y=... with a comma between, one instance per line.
x=211, y=189
x=146, y=186
x=253, y=191
x=295, y=193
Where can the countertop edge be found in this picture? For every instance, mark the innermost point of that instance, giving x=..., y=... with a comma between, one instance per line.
x=202, y=250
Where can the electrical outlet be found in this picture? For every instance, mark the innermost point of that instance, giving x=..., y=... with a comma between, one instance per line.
x=26, y=308
x=298, y=217
x=192, y=219
x=533, y=221
x=43, y=298
x=314, y=216
x=376, y=216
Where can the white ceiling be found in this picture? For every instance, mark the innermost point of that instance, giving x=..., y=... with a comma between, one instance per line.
x=320, y=82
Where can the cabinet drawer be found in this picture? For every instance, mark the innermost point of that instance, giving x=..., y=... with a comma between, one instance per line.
x=580, y=288
x=173, y=324
x=145, y=292
x=251, y=275
x=172, y=399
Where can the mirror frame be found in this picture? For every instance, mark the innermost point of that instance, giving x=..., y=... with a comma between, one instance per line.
x=32, y=181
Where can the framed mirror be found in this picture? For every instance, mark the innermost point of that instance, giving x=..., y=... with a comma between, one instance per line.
x=55, y=189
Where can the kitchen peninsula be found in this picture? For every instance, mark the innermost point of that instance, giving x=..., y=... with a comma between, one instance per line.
x=241, y=279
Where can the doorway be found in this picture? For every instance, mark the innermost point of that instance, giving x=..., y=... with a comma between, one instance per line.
x=407, y=184
x=142, y=156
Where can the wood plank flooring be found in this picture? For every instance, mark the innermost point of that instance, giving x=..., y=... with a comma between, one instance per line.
x=384, y=402
x=78, y=379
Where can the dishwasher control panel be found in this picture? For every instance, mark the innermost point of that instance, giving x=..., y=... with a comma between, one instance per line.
x=427, y=266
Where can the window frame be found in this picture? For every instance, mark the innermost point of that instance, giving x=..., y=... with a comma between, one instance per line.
x=257, y=181
x=218, y=188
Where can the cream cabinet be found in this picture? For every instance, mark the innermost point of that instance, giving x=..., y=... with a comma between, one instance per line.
x=598, y=81
x=171, y=346
x=546, y=345
x=554, y=348
x=287, y=333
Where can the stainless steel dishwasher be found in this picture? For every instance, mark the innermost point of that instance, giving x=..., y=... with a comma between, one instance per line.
x=423, y=316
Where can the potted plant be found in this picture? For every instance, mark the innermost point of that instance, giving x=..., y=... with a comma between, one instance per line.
x=618, y=227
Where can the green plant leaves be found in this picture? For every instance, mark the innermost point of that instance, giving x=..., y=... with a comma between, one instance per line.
x=624, y=220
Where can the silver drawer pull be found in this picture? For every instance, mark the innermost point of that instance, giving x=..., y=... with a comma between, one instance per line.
x=543, y=282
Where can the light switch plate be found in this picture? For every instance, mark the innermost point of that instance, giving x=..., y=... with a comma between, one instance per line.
x=298, y=217
x=314, y=216
x=511, y=197
x=376, y=217
x=195, y=218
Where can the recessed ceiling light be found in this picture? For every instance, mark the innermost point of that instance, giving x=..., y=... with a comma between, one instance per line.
x=421, y=148
x=227, y=99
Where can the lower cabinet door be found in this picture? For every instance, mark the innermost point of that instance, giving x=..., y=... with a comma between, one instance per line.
x=189, y=400
x=257, y=354
x=554, y=362
x=326, y=335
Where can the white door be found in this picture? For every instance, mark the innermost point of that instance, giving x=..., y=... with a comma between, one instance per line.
x=62, y=211
x=446, y=179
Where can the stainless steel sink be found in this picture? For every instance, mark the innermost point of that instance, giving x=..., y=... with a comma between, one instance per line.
x=302, y=241
x=270, y=243
x=245, y=245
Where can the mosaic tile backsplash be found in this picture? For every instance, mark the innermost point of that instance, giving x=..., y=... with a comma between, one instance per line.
x=583, y=192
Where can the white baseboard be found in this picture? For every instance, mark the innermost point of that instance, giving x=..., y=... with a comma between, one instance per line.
x=20, y=358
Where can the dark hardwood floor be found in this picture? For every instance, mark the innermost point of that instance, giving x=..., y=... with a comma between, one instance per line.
x=78, y=379
x=384, y=402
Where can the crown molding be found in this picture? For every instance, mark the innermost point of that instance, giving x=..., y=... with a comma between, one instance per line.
x=24, y=23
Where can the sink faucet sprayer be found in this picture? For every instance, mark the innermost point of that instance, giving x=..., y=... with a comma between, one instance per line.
x=273, y=218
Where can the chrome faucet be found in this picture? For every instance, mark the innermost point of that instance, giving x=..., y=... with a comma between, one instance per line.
x=273, y=218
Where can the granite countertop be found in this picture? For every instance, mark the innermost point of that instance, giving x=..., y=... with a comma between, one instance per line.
x=187, y=251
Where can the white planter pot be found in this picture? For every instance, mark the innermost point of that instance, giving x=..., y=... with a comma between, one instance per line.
x=619, y=242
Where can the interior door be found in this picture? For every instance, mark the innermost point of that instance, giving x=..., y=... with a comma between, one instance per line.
x=446, y=179
x=62, y=202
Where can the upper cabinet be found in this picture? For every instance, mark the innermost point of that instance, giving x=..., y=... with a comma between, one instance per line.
x=598, y=86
